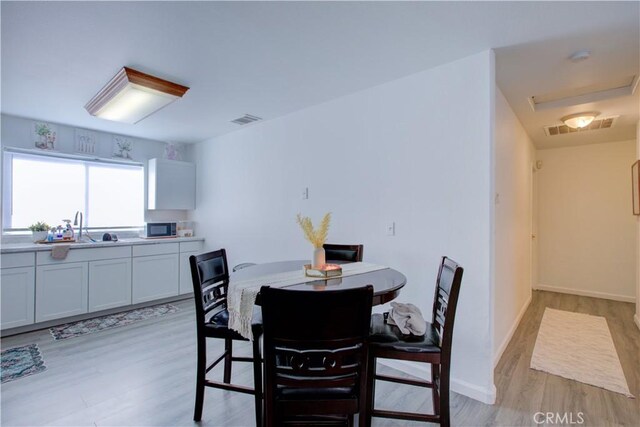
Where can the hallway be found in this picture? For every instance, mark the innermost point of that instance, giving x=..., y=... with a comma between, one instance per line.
x=522, y=391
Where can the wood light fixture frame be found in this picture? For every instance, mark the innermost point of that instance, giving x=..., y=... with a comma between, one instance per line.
x=127, y=76
x=635, y=185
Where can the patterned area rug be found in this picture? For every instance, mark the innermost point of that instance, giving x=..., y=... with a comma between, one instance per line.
x=18, y=362
x=578, y=347
x=97, y=324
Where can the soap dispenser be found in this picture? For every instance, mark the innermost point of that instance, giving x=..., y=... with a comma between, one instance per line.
x=68, y=234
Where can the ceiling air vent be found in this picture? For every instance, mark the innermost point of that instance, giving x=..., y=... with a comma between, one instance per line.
x=603, y=123
x=246, y=119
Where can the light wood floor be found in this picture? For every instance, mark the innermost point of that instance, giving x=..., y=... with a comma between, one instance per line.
x=143, y=375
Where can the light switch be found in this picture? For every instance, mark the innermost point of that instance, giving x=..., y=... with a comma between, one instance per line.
x=391, y=229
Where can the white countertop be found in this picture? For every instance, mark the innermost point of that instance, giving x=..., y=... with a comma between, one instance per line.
x=36, y=247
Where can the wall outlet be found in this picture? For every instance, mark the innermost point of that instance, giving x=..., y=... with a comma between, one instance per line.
x=305, y=193
x=391, y=229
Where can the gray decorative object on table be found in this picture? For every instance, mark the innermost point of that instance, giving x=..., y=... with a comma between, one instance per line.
x=97, y=324
x=18, y=362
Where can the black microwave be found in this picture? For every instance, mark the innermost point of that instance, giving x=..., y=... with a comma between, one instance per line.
x=160, y=229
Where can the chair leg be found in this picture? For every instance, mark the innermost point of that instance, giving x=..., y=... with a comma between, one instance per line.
x=257, y=380
x=367, y=414
x=444, y=396
x=200, y=378
x=228, y=348
x=435, y=392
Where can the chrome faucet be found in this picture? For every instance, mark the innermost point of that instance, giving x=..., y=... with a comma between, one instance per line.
x=75, y=222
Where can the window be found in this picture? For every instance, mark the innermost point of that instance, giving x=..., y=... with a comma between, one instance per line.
x=51, y=189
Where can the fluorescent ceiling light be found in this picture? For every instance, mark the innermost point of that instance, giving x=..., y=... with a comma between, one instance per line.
x=579, y=120
x=131, y=96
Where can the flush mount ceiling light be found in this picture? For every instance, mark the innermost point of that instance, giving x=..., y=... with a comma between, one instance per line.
x=579, y=120
x=131, y=96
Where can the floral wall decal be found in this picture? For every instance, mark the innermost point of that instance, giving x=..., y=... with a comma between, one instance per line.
x=122, y=147
x=172, y=151
x=44, y=135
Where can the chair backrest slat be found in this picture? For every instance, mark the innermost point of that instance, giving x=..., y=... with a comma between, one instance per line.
x=318, y=363
x=343, y=253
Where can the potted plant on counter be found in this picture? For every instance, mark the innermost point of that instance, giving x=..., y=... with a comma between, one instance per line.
x=39, y=231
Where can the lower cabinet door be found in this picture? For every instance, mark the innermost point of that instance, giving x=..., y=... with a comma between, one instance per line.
x=61, y=290
x=109, y=283
x=155, y=277
x=18, y=296
x=186, y=284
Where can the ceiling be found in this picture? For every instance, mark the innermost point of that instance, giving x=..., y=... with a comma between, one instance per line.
x=272, y=58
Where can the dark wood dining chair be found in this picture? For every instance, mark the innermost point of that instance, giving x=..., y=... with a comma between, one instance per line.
x=315, y=355
x=210, y=275
x=387, y=342
x=343, y=253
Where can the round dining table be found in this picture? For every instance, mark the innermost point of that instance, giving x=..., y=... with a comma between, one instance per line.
x=386, y=282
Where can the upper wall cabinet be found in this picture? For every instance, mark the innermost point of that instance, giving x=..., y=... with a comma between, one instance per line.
x=172, y=184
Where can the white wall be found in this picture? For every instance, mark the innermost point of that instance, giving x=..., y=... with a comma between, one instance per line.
x=16, y=132
x=586, y=230
x=415, y=151
x=637, y=316
x=514, y=154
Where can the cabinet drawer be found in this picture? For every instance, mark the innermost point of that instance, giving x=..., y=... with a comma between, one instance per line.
x=83, y=255
x=21, y=259
x=191, y=246
x=156, y=249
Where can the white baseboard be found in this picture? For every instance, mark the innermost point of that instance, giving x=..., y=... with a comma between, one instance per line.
x=423, y=370
x=584, y=293
x=507, y=338
x=636, y=319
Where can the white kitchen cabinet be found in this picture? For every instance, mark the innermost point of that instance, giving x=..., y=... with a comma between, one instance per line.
x=155, y=277
x=186, y=284
x=35, y=287
x=186, y=250
x=171, y=184
x=18, y=296
x=61, y=290
x=109, y=283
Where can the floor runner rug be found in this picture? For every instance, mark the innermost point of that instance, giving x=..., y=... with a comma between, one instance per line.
x=97, y=324
x=578, y=347
x=18, y=362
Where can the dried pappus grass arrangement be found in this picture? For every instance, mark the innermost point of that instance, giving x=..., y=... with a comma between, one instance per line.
x=316, y=237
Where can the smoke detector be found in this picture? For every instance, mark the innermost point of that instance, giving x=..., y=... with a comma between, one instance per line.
x=580, y=55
